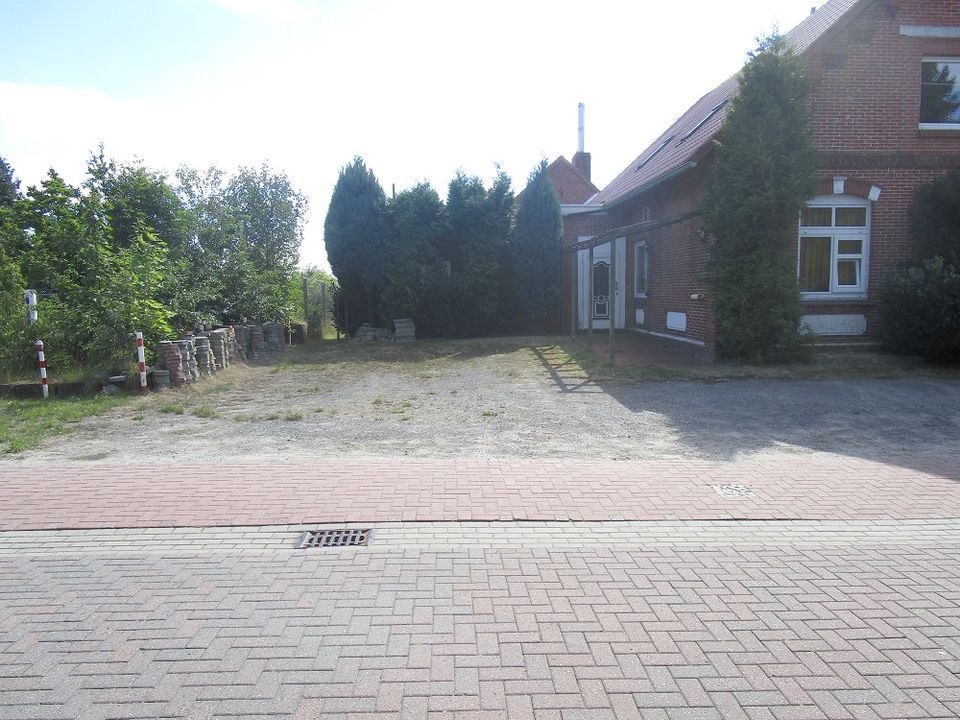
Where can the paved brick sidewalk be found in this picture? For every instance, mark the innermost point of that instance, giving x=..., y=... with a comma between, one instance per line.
x=764, y=621
x=215, y=494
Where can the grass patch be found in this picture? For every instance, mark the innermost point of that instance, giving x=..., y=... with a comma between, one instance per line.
x=217, y=388
x=318, y=410
x=25, y=423
x=204, y=411
x=293, y=416
x=489, y=413
x=171, y=408
x=244, y=417
x=272, y=416
x=138, y=418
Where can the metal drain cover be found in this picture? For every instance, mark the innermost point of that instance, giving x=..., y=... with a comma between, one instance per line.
x=732, y=490
x=340, y=537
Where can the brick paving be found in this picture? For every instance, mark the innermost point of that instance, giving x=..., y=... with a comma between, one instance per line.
x=491, y=589
x=700, y=620
x=382, y=490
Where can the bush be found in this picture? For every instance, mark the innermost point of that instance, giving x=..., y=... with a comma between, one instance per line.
x=920, y=307
x=935, y=218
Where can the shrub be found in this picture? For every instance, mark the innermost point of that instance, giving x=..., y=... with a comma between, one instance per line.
x=935, y=218
x=920, y=307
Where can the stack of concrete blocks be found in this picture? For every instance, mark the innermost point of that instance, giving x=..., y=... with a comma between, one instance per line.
x=205, y=358
x=171, y=360
x=404, y=330
x=241, y=341
x=231, y=345
x=218, y=347
x=188, y=355
x=273, y=337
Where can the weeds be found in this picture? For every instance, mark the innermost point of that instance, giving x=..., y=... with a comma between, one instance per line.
x=172, y=408
x=25, y=423
x=204, y=411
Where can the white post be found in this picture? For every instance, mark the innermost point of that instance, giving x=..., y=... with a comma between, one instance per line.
x=44, y=388
x=141, y=363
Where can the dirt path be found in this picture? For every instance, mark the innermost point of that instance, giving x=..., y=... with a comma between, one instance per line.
x=514, y=398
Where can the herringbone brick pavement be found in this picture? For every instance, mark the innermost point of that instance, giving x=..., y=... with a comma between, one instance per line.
x=379, y=490
x=740, y=628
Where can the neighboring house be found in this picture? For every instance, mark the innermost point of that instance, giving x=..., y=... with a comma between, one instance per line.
x=885, y=118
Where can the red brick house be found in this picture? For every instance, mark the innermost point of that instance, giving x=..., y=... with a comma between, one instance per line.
x=885, y=114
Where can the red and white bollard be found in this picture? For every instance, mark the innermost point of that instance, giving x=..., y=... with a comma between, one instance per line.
x=141, y=363
x=44, y=388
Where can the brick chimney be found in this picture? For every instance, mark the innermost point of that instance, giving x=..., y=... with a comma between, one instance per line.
x=581, y=160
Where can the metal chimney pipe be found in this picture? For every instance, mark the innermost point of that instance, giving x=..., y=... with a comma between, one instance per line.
x=580, y=128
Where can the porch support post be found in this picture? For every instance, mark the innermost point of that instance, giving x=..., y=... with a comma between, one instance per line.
x=590, y=299
x=574, y=285
x=613, y=296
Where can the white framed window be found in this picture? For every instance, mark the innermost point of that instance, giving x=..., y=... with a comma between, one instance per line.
x=834, y=247
x=641, y=261
x=940, y=93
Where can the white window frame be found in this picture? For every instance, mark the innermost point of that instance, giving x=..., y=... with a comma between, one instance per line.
x=640, y=250
x=939, y=126
x=836, y=234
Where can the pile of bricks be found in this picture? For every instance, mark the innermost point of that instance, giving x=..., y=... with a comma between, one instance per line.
x=169, y=359
x=205, y=358
x=195, y=355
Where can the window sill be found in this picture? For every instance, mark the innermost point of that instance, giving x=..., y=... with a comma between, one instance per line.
x=938, y=131
x=860, y=300
x=640, y=296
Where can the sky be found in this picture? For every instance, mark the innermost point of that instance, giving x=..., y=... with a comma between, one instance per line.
x=420, y=89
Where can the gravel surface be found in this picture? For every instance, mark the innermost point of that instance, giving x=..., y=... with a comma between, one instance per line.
x=513, y=398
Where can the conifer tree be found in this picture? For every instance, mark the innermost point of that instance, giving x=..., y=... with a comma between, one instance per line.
x=763, y=175
x=354, y=234
x=536, y=252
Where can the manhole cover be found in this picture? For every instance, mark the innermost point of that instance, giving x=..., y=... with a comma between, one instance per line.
x=334, y=537
x=732, y=490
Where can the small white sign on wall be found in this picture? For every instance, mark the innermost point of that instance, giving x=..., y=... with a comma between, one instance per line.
x=677, y=321
x=641, y=316
x=834, y=324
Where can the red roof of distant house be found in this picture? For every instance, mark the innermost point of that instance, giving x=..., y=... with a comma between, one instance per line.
x=571, y=185
x=689, y=137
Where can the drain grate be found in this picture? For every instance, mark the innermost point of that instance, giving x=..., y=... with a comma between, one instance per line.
x=732, y=490
x=340, y=537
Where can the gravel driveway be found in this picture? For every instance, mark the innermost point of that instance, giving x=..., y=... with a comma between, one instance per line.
x=513, y=398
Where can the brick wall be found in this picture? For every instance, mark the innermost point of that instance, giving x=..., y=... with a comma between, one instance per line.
x=864, y=105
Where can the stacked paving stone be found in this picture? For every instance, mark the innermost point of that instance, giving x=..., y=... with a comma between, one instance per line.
x=205, y=358
x=404, y=330
x=241, y=340
x=273, y=337
x=366, y=333
x=171, y=360
x=256, y=342
x=232, y=347
x=188, y=354
x=218, y=347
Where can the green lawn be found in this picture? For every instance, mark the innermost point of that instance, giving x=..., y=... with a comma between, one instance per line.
x=24, y=423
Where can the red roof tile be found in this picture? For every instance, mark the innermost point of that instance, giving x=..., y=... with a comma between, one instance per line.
x=688, y=138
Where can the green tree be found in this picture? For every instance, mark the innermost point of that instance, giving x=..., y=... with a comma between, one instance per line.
x=763, y=174
x=935, y=218
x=417, y=278
x=354, y=234
x=477, y=248
x=13, y=338
x=536, y=252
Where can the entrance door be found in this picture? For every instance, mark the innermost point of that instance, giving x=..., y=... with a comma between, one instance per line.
x=599, y=303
